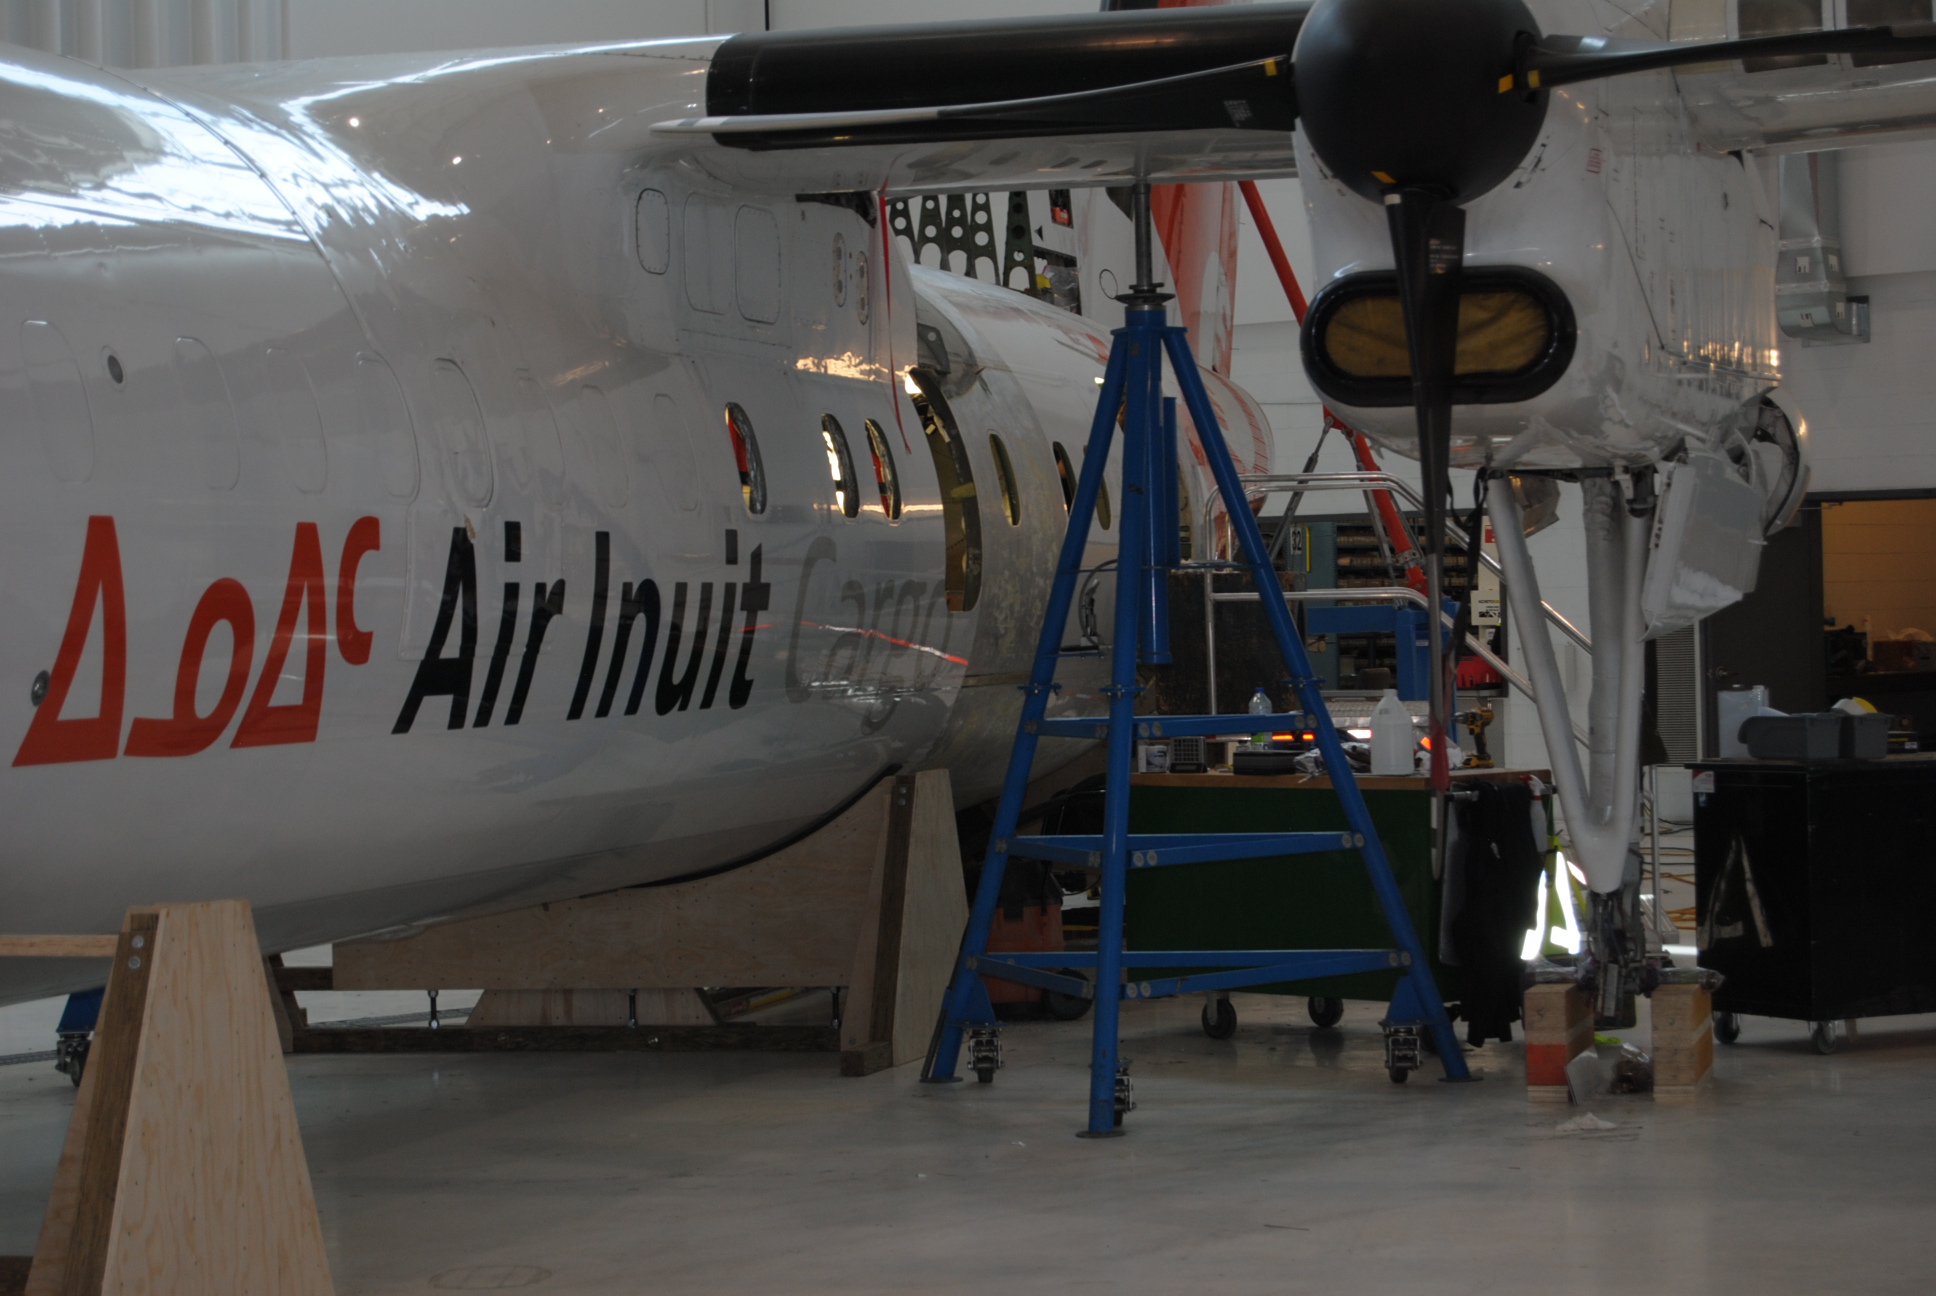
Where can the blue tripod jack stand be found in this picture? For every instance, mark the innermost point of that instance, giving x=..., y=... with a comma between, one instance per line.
x=1132, y=385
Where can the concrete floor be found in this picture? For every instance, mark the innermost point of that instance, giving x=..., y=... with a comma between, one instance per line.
x=1280, y=1160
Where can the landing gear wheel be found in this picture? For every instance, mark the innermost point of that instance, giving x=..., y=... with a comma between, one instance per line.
x=1325, y=1013
x=1727, y=1027
x=1220, y=1019
x=1398, y=1074
x=1826, y=1036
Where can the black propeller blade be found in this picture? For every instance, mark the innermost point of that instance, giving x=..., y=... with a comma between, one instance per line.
x=1247, y=96
x=1568, y=60
x=1135, y=71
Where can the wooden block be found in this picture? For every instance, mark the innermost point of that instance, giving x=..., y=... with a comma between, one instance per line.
x=306, y=978
x=793, y=918
x=866, y=1059
x=1683, y=1041
x=184, y=1170
x=57, y=946
x=1559, y=1027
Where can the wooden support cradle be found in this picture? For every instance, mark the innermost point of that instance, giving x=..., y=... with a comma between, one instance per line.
x=183, y=1170
x=873, y=902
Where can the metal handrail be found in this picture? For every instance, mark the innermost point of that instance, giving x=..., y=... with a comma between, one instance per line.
x=1404, y=594
x=1362, y=481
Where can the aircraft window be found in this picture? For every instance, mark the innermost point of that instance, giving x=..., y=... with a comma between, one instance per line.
x=653, y=224
x=1005, y=474
x=60, y=403
x=379, y=407
x=756, y=264
x=1778, y=18
x=1879, y=13
x=840, y=466
x=458, y=429
x=211, y=411
x=887, y=479
x=746, y=454
x=1067, y=472
x=959, y=508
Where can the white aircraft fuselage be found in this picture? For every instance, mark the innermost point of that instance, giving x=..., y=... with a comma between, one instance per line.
x=378, y=548
x=373, y=515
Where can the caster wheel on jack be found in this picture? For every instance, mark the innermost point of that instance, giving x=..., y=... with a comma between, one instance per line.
x=1325, y=1013
x=1219, y=1019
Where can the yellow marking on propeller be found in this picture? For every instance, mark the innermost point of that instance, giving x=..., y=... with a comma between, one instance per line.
x=1505, y=83
x=1532, y=79
x=1270, y=67
x=1382, y=178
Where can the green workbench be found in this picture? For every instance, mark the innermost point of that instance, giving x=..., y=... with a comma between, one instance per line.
x=1322, y=901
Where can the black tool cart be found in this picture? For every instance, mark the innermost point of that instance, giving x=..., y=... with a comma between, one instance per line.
x=1816, y=888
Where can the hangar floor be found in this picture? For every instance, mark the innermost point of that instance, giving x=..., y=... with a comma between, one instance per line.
x=1280, y=1159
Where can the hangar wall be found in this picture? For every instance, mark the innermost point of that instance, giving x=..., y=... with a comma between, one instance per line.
x=1871, y=408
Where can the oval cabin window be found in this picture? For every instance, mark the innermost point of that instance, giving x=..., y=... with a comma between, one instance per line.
x=1005, y=472
x=1067, y=473
x=746, y=456
x=840, y=466
x=887, y=479
x=960, y=511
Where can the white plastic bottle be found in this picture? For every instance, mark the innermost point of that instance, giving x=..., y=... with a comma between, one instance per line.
x=1260, y=704
x=1392, y=739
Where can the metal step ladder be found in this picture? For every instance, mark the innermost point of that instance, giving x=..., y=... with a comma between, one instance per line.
x=1148, y=546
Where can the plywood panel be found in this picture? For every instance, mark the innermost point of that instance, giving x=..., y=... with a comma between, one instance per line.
x=935, y=917
x=214, y=1194
x=1559, y=1027
x=1683, y=1042
x=791, y=919
x=183, y=1169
